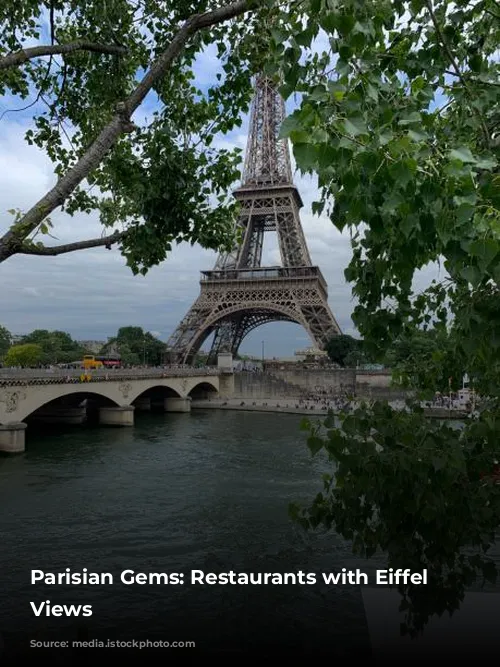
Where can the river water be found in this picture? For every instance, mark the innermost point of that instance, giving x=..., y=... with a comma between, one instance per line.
x=207, y=490
x=178, y=492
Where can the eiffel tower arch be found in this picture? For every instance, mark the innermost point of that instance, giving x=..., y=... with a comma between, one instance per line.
x=240, y=294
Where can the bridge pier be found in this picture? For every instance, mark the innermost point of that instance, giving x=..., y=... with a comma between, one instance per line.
x=117, y=416
x=177, y=404
x=226, y=385
x=12, y=437
x=225, y=361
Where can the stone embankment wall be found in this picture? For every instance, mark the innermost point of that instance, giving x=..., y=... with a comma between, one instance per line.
x=374, y=378
x=291, y=383
x=263, y=385
x=333, y=381
x=377, y=384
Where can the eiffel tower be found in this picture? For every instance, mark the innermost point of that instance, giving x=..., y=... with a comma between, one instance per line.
x=239, y=294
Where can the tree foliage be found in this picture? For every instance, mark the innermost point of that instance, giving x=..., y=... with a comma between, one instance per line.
x=56, y=346
x=427, y=360
x=340, y=348
x=136, y=347
x=5, y=341
x=424, y=492
x=153, y=180
x=25, y=355
x=399, y=118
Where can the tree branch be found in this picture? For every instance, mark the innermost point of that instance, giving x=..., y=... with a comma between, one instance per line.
x=119, y=124
x=18, y=57
x=107, y=241
x=492, y=13
x=455, y=66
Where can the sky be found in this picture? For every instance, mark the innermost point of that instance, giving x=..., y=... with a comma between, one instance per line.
x=91, y=293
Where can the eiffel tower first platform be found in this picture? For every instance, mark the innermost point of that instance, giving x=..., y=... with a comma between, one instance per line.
x=239, y=294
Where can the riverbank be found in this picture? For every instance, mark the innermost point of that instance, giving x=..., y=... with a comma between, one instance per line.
x=258, y=406
x=319, y=408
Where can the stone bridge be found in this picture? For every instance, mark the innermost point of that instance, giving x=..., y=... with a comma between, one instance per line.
x=111, y=396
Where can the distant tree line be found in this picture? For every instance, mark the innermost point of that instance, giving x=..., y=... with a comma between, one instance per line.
x=42, y=347
x=422, y=358
x=346, y=351
x=136, y=347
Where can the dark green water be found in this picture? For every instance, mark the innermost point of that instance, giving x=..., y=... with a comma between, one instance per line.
x=206, y=490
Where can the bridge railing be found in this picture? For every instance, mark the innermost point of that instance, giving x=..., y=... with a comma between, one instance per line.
x=71, y=375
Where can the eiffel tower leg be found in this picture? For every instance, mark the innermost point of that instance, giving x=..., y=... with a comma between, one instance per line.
x=179, y=346
x=222, y=342
x=231, y=332
x=322, y=324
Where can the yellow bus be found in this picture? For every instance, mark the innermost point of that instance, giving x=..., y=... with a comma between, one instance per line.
x=90, y=362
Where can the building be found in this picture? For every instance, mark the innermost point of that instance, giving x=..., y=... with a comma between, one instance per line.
x=310, y=354
x=92, y=346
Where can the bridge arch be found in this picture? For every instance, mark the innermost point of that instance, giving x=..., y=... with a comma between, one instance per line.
x=204, y=390
x=64, y=396
x=162, y=390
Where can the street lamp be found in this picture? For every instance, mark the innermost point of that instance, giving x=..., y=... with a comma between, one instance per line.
x=262, y=351
x=144, y=350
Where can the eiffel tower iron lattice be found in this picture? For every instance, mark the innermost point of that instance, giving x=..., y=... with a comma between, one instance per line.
x=239, y=294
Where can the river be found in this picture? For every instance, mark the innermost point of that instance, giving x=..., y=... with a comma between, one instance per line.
x=178, y=492
x=208, y=491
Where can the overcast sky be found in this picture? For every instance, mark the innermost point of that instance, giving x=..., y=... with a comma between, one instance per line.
x=90, y=294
